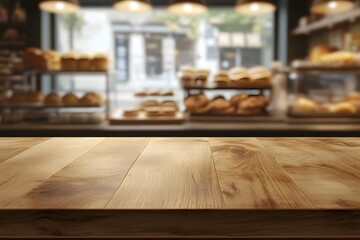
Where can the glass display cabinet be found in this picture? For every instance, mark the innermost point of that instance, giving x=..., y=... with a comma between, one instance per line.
x=332, y=93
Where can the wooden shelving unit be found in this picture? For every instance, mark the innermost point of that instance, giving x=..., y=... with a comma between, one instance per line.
x=328, y=22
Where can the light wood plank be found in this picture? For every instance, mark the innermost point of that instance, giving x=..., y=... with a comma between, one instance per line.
x=10, y=147
x=89, y=181
x=25, y=171
x=251, y=179
x=328, y=175
x=171, y=173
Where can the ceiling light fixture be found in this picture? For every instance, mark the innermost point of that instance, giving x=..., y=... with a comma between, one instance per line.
x=188, y=7
x=132, y=6
x=59, y=6
x=255, y=7
x=328, y=7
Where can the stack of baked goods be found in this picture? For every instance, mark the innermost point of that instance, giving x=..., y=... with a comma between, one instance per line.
x=153, y=109
x=328, y=56
x=242, y=77
x=36, y=59
x=193, y=77
x=242, y=105
x=54, y=99
x=30, y=98
x=154, y=93
x=347, y=106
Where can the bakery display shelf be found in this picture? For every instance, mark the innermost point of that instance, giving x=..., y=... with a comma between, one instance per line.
x=6, y=44
x=43, y=106
x=10, y=24
x=214, y=86
x=262, y=117
x=55, y=72
x=329, y=21
x=293, y=114
x=118, y=118
x=354, y=69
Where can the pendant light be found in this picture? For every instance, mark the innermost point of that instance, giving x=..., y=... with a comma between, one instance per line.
x=188, y=7
x=328, y=7
x=60, y=6
x=132, y=6
x=255, y=7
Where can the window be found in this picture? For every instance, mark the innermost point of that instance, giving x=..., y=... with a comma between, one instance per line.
x=150, y=49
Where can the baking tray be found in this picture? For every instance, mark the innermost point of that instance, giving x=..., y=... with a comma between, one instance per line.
x=118, y=119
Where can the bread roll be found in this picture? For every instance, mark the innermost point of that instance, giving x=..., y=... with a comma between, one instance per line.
x=69, y=62
x=236, y=100
x=53, y=99
x=193, y=103
x=100, y=62
x=84, y=62
x=70, y=99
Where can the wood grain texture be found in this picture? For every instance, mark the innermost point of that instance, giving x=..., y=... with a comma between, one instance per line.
x=25, y=171
x=10, y=147
x=89, y=181
x=250, y=178
x=327, y=170
x=171, y=173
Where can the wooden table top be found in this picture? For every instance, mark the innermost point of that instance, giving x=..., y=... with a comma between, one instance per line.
x=179, y=173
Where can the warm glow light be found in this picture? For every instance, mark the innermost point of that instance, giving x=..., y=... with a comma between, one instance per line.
x=188, y=8
x=132, y=6
x=59, y=6
x=332, y=4
x=327, y=7
x=254, y=7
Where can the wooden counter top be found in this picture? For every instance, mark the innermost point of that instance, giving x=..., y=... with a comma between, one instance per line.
x=52, y=176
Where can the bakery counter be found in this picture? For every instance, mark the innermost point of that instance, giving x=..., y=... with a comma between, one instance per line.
x=188, y=129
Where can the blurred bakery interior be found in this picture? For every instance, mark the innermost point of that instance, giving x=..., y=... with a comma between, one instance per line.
x=180, y=68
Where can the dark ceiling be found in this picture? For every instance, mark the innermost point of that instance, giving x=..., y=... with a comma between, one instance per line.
x=157, y=2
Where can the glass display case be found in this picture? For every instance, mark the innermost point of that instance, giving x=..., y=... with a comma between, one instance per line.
x=324, y=93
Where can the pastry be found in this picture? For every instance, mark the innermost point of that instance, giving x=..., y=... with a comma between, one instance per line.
x=141, y=94
x=153, y=112
x=304, y=105
x=259, y=74
x=155, y=94
x=70, y=99
x=100, y=62
x=340, y=58
x=34, y=97
x=31, y=58
x=18, y=14
x=319, y=51
x=193, y=103
x=344, y=108
x=91, y=99
x=84, y=62
x=69, y=62
x=168, y=111
x=187, y=80
x=169, y=104
x=3, y=13
x=219, y=104
x=168, y=94
x=235, y=101
x=11, y=35
x=53, y=99
x=239, y=74
x=222, y=78
x=226, y=111
x=201, y=76
x=353, y=97
x=148, y=104
x=131, y=112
